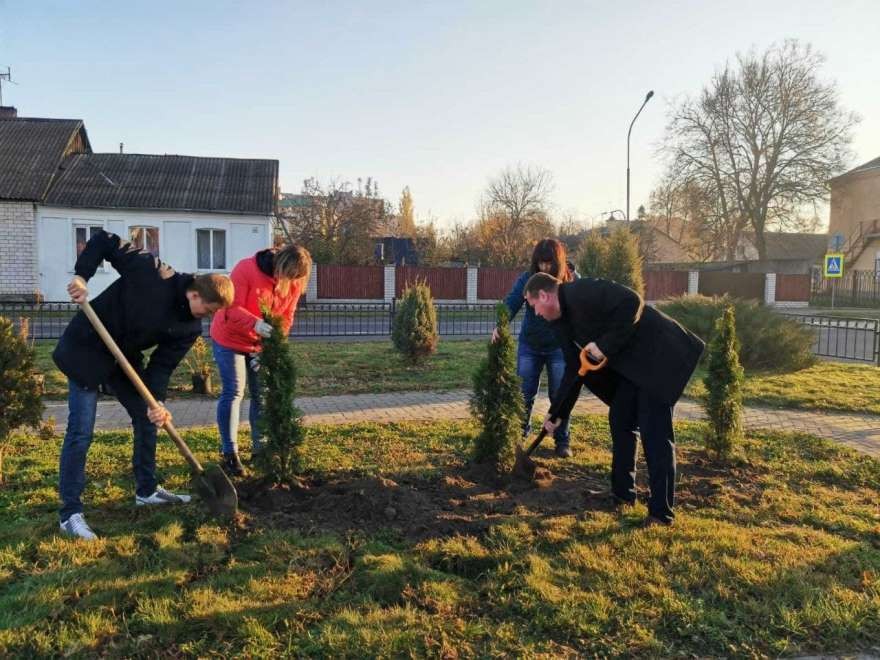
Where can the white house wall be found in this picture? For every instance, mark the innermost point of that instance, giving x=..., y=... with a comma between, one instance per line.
x=245, y=234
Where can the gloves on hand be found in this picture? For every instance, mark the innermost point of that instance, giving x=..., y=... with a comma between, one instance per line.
x=255, y=361
x=262, y=328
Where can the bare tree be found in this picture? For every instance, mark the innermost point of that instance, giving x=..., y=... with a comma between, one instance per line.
x=334, y=223
x=514, y=213
x=762, y=140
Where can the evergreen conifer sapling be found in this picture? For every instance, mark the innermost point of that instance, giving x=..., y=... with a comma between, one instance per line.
x=280, y=420
x=20, y=390
x=415, y=324
x=497, y=402
x=724, y=388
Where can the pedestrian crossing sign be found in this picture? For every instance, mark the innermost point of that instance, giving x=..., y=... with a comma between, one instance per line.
x=833, y=265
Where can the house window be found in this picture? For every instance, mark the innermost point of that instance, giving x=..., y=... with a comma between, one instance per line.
x=81, y=236
x=145, y=238
x=211, y=249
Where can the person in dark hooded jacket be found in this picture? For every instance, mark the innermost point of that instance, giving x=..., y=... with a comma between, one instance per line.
x=148, y=306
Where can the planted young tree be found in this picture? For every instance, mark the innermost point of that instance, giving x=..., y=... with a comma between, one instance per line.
x=591, y=256
x=622, y=261
x=724, y=388
x=497, y=402
x=20, y=403
x=415, y=323
x=280, y=420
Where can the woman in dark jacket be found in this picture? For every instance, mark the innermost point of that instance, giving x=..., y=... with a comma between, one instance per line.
x=538, y=345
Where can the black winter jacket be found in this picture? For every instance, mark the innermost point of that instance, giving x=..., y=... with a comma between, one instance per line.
x=140, y=309
x=642, y=344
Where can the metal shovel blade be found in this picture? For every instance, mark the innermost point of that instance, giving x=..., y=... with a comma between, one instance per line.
x=216, y=491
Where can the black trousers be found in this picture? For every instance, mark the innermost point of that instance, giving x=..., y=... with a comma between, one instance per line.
x=633, y=412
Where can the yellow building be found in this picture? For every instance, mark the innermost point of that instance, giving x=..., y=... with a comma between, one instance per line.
x=855, y=215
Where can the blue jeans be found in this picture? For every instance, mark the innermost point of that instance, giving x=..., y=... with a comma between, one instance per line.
x=82, y=405
x=529, y=364
x=235, y=369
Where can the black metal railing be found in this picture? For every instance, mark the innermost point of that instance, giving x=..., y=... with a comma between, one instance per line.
x=857, y=288
x=843, y=338
x=47, y=320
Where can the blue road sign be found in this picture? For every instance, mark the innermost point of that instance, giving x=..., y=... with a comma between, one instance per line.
x=833, y=265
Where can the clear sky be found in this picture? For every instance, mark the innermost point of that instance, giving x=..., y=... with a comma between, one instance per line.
x=438, y=96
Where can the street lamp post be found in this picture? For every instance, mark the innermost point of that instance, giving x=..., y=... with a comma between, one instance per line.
x=647, y=98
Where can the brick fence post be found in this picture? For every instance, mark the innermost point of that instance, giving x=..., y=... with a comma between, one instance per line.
x=389, y=283
x=312, y=286
x=693, y=282
x=471, y=295
x=770, y=289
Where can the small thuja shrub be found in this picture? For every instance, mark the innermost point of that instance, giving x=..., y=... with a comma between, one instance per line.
x=622, y=261
x=497, y=402
x=20, y=403
x=415, y=323
x=591, y=256
x=724, y=388
x=280, y=421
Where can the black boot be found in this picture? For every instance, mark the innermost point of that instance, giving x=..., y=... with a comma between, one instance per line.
x=232, y=464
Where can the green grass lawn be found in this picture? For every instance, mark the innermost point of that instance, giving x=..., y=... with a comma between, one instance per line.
x=338, y=367
x=832, y=386
x=776, y=553
x=374, y=366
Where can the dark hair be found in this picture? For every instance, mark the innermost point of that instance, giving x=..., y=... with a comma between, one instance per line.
x=541, y=282
x=552, y=250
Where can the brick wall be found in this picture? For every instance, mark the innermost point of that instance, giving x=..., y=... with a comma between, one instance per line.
x=18, y=251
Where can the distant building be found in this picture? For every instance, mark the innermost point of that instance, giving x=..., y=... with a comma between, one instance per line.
x=395, y=251
x=855, y=215
x=196, y=214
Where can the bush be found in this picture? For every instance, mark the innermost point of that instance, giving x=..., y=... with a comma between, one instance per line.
x=724, y=388
x=415, y=323
x=622, y=261
x=280, y=421
x=767, y=340
x=20, y=403
x=497, y=401
x=615, y=257
x=591, y=256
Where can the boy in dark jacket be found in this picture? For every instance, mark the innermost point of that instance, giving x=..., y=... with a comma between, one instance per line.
x=148, y=306
x=650, y=359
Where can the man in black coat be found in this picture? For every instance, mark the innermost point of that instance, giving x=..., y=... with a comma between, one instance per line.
x=148, y=306
x=650, y=359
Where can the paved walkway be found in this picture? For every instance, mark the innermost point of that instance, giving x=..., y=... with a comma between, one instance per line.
x=861, y=432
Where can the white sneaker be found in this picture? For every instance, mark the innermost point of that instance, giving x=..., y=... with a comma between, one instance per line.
x=77, y=526
x=162, y=496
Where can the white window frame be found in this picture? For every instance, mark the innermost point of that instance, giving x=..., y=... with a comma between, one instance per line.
x=143, y=226
x=79, y=223
x=211, y=245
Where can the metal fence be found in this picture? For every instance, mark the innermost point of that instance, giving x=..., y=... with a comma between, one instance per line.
x=48, y=320
x=843, y=338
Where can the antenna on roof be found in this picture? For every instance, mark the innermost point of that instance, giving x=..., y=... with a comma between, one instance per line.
x=8, y=77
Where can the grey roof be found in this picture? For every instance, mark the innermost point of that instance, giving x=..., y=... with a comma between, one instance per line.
x=870, y=165
x=31, y=151
x=178, y=183
x=783, y=245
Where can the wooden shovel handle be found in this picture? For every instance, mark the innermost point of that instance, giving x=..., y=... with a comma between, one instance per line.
x=138, y=383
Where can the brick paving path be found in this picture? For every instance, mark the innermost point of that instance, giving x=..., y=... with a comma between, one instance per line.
x=861, y=432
